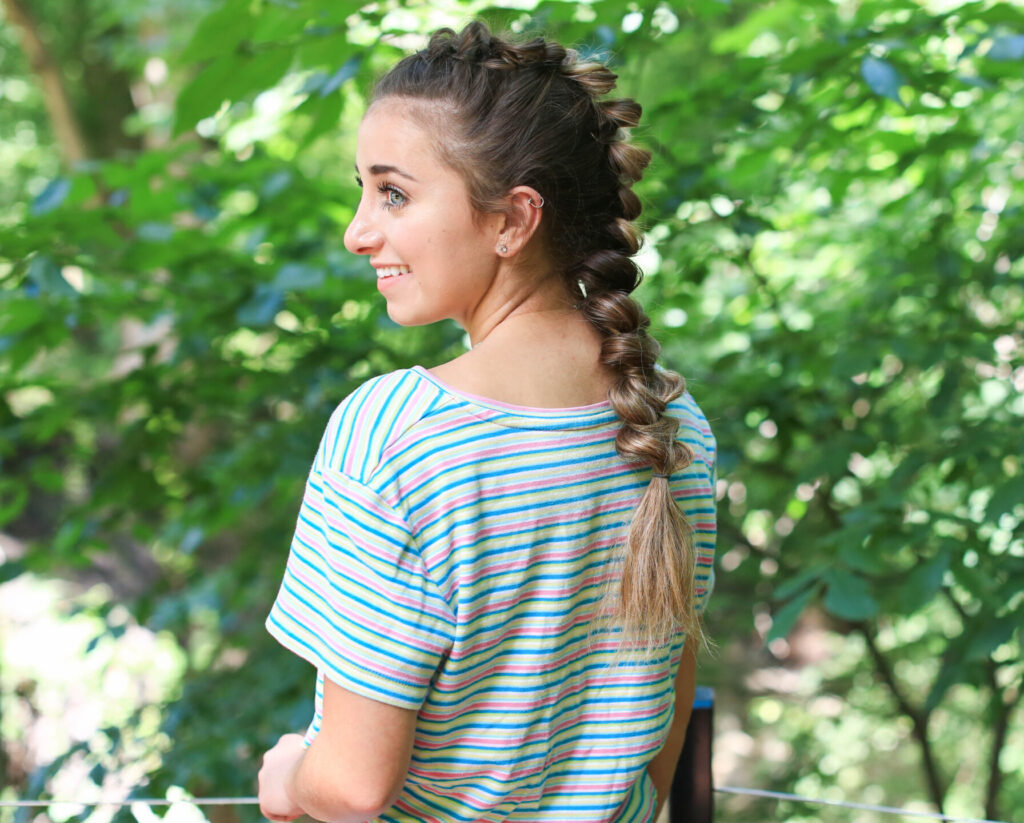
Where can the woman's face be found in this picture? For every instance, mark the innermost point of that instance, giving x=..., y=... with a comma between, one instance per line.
x=415, y=223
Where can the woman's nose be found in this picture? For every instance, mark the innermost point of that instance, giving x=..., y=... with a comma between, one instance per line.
x=361, y=237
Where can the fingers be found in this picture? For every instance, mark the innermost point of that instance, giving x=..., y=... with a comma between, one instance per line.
x=280, y=818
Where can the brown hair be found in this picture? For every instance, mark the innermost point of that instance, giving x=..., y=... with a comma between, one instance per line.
x=530, y=114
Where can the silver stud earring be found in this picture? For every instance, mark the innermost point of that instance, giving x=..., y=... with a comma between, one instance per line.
x=503, y=249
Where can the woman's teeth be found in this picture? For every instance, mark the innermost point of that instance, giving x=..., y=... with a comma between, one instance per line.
x=391, y=271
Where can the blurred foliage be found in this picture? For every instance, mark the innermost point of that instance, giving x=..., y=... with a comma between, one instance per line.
x=835, y=259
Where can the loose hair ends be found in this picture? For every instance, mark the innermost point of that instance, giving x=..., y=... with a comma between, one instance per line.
x=649, y=601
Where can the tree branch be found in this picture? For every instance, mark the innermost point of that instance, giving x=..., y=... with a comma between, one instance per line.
x=919, y=718
x=66, y=127
x=1003, y=707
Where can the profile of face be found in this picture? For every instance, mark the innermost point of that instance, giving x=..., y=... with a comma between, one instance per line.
x=435, y=256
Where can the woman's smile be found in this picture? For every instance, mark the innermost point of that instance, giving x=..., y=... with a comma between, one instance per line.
x=388, y=276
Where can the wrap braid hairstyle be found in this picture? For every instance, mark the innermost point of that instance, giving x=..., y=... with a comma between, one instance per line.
x=508, y=114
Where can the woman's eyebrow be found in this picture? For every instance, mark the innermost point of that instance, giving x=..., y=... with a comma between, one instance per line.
x=380, y=168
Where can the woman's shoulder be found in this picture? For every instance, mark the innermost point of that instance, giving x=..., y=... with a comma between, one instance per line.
x=369, y=419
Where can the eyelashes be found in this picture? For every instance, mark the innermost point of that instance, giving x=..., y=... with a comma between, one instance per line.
x=394, y=197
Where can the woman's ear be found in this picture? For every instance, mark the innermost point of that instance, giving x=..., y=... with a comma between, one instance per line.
x=522, y=219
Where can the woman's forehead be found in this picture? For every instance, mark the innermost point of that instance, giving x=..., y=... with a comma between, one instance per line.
x=401, y=134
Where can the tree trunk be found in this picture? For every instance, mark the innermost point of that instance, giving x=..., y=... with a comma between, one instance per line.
x=66, y=127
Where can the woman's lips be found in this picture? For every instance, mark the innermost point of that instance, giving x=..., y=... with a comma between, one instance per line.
x=389, y=276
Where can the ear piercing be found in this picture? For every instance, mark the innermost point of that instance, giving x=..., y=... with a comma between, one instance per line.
x=537, y=205
x=503, y=248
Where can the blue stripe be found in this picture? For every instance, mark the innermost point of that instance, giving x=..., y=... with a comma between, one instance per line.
x=321, y=661
x=345, y=595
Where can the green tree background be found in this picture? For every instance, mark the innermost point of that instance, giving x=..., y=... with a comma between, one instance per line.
x=834, y=259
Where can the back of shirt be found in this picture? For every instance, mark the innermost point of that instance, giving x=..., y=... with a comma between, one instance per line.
x=450, y=554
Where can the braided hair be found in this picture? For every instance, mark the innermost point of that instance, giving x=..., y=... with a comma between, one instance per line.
x=508, y=114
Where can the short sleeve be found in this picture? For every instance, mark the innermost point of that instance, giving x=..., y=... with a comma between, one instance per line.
x=706, y=530
x=356, y=600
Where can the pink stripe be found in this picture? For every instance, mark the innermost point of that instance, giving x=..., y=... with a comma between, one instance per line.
x=483, y=703
x=533, y=486
x=347, y=564
x=370, y=586
x=538, y=523
x=454, y=583
x=503, y=740
x=355, y=494
x=535, y=596
x=499, y=530
x=355, y=617
x=385, y=552
x=353, y=657
x=464, y=458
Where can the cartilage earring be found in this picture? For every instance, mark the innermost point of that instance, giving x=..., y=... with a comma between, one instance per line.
x=537, y=205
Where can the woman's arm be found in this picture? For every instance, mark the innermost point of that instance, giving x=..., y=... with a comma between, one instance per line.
x=352, y=771
x=663, y=767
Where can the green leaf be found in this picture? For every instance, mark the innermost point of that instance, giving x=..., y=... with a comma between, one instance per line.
x=990, y=637
x=19, y=315
x=784, y=618
x=325, y=112
x=953, y=671
x=1005, y=498
x=943, y=399
x=51, y=197
x=10, y=569
x=881, y=77
x=753, y=23
x=204, y=95
x=849, y=596
x=230, y=78
x=924, y=582
x=13, y=497
x=793, y=585
x=348, y=70
x=219, y=31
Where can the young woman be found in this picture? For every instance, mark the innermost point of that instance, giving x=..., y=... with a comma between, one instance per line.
x=499, y=563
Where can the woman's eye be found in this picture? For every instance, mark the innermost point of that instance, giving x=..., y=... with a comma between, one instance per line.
x=393, y=197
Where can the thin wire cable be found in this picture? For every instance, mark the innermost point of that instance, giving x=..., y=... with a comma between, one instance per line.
x=870, y=807
x=131, y=801
x=249, y=801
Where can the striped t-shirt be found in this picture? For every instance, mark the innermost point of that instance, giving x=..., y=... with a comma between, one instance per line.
x=449, y=556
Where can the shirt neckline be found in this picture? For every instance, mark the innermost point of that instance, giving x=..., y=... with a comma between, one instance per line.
x=571, y=416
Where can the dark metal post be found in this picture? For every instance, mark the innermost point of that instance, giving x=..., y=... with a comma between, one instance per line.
x=691, y=799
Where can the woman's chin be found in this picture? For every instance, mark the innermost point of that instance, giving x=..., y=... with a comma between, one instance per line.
x=403, y=317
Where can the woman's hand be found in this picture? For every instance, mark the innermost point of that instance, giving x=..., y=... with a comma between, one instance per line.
x=275, y=777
